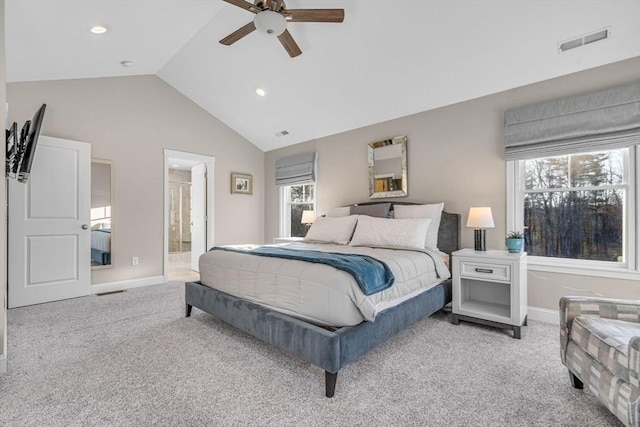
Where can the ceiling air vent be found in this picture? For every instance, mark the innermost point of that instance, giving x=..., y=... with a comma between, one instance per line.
x=282, y=133
x=584, y=40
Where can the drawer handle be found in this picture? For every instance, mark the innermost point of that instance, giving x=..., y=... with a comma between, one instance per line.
x=484, y=270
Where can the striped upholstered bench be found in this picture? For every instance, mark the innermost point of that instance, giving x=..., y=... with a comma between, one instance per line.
x=600, y=345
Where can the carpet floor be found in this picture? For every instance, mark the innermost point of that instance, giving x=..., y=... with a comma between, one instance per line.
x=133, y=359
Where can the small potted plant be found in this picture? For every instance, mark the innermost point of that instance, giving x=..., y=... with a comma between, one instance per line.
x=515, y=242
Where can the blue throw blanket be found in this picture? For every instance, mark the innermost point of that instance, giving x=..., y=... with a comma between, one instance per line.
x=372, y=275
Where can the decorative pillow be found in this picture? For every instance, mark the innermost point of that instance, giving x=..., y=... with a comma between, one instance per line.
x=432, y=211
x=394, y=233
x=337, y=212
x=378, y=210
x=332, y=230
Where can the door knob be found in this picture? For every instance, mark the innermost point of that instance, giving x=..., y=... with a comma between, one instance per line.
x=85, y=227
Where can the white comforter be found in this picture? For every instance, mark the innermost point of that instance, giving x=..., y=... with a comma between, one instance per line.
x=101, y=240
x=319, y=293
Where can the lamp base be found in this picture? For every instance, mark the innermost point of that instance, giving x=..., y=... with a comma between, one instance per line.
x=479, y=240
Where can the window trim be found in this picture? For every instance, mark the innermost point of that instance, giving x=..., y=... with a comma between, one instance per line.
x=629, y=270
x=284, y=192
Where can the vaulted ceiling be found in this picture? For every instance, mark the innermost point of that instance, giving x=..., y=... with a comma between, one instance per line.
x=388, y=59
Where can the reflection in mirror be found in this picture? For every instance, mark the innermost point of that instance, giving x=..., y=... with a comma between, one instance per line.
x=388, y=168
x=101, y=204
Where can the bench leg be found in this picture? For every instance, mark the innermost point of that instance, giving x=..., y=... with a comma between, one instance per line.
x=330, y=379
x=575, y=381
x=189, y=307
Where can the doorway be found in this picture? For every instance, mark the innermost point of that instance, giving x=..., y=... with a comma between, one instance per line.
x=188, y=213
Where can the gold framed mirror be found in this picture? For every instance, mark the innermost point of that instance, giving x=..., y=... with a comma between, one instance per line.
x=388, y=168
x=101, y=207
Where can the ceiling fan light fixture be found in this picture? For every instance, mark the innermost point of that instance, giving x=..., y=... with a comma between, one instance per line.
x=270, y=22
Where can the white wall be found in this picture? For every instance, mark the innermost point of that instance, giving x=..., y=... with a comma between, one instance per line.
x=130, y=120
x=455, y=155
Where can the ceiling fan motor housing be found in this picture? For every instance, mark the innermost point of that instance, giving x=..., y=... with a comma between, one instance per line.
x=270, y=5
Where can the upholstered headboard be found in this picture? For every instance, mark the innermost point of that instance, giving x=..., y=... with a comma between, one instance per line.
x=449, y=234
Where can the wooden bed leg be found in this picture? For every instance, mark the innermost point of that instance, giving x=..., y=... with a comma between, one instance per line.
x=330, y=382
x=189, y=307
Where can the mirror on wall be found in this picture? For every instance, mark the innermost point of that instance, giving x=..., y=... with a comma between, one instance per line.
x=388, y=168
x=101, y=207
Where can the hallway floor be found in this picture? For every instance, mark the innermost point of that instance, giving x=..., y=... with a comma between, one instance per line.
x=180, y=267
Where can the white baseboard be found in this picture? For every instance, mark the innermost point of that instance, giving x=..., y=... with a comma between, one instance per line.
x=126, y=284
x=3, y=364
x=543, y=315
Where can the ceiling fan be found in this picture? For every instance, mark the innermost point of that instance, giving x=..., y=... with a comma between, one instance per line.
x=272, y=17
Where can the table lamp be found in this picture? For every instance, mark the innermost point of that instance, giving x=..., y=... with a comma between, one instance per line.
x=480, y=219
x=307, y=218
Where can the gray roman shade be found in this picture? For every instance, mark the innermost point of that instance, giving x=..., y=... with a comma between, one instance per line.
x=604, y=120
x=298, y=169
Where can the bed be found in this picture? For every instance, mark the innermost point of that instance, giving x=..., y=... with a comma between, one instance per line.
x=320, y=336
x=101, y=246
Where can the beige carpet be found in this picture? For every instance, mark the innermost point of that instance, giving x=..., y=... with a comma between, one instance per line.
x=133, y=359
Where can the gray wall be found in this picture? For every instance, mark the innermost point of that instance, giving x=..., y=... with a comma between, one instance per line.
x=3, y=208
x=455, y=155
x=130, y=120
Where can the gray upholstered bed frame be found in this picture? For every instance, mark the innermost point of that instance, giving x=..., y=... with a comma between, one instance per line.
x=330, y=350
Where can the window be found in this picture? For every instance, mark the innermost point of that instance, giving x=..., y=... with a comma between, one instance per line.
x=101, y=217
x=578, y=210
x=295, y=199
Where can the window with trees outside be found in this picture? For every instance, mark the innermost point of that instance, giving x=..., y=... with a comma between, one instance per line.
x=578, y=209
x=294, y=200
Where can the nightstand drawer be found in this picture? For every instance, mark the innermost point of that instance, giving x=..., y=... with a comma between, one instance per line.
x=485, y=270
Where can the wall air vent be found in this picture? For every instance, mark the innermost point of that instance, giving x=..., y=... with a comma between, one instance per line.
x=282, y=133
x=584, y=40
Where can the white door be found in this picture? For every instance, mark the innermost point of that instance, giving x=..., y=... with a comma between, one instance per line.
x=198, y=213
x=49, y=233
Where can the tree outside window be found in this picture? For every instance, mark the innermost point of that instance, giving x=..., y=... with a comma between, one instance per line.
x=298, y=198
x=574, y=206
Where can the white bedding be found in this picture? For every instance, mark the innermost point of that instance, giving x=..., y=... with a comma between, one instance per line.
x=101, y=240
x=319, y=293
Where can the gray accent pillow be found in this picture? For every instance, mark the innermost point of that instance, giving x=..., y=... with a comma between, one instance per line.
x=379, y=210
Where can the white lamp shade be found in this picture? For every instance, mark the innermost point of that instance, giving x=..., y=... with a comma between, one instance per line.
x=270, y=22
x=480, y=218
x=308, y=217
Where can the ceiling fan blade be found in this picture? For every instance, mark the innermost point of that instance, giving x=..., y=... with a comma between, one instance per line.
x=314, y=15
x=245, y=5
x=289, y=44
x=238, y=34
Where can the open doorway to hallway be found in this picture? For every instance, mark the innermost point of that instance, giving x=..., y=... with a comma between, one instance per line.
x=179, y=232
x=188, y=213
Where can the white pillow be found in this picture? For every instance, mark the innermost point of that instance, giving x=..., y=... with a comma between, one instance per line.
x=432, y=211
x=394, y=233
x=337, y=212
x=332, y=230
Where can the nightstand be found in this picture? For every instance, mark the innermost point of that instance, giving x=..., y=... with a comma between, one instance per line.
x=287, y=239
x=490, y=288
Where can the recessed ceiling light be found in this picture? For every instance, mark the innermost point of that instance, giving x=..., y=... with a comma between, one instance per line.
x=126, y=63
x=260, y=92
x=98, y=29
x=175, y=166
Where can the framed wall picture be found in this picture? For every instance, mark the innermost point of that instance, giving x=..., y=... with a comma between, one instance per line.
x=241, y=183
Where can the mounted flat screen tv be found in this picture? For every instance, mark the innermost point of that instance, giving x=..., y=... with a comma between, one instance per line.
x=30, y=135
